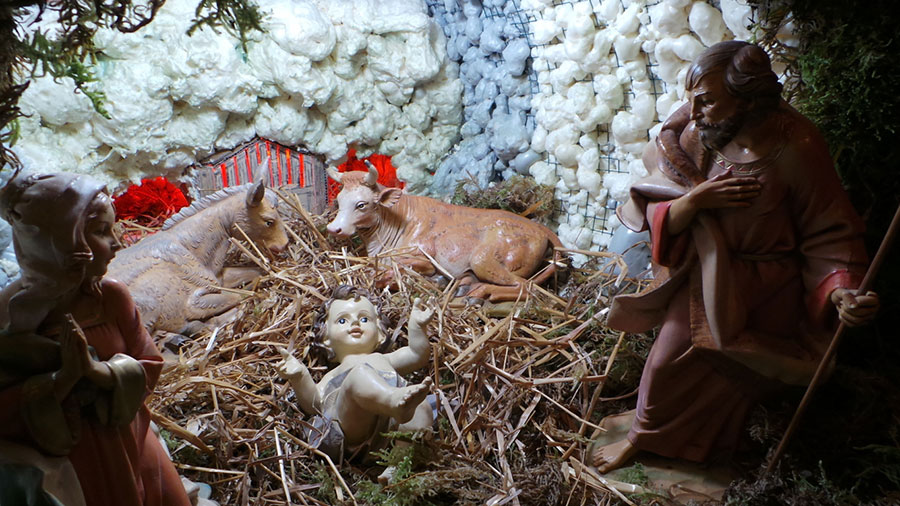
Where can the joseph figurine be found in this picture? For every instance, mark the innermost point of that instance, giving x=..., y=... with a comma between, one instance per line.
x=757, y=252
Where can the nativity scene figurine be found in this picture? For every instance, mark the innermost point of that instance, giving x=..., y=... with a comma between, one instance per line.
x=493, y=253
x=365, y=394
x=176, y=273
x=76, y=362
x=757, y=251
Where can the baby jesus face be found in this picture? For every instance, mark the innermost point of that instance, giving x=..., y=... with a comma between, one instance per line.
x=352, y=328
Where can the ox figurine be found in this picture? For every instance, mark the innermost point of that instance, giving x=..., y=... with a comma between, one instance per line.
x=491, y=252
x=173, y=274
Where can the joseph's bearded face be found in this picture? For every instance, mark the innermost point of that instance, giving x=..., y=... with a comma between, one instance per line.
x=718, y=115
x=716, y=136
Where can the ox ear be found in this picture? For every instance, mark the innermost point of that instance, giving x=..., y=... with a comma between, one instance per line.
x=333, y=173
x=389, y=196
x=256, y=193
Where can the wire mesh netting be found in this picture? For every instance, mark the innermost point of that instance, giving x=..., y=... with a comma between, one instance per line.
x=584, y=210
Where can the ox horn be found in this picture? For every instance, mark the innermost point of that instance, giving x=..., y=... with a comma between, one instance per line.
x=372, y=178
x=333, y=174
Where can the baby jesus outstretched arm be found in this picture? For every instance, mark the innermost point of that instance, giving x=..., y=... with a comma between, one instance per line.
x=301, y=381
x=417, y=354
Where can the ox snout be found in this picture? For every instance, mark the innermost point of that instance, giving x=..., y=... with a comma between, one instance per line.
x=338, y=230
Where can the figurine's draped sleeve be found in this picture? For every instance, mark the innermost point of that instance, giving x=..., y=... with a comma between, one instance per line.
x=830, y=232
x=654, y=187
x=128, y=392
x=666, y=249
x=648, y=208
x=33, y=412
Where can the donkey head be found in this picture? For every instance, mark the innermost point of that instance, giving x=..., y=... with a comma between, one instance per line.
x=263, y=224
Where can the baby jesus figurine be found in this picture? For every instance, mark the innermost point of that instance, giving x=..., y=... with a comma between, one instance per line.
x=365, y=394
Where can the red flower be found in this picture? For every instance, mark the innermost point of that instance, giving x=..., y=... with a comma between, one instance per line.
x=150, y=203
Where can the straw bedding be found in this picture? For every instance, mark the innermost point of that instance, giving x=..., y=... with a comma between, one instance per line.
x=519, y=388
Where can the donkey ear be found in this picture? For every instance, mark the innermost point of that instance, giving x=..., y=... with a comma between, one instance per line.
x=389, y=196
x=256, y=193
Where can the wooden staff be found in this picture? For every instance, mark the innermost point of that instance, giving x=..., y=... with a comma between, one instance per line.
x=832, y=348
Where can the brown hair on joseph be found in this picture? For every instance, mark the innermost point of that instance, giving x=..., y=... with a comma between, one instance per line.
x=746, y=72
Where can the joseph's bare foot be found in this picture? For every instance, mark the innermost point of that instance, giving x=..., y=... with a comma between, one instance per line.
x=406, y=399
x=613, y=456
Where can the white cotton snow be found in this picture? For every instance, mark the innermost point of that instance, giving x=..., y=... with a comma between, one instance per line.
x=706, y=21
x=497, y=131
x=326, y=75
x=737, y=16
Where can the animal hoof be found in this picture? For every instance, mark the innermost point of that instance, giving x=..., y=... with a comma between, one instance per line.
x=440, y=281
x=474, y=301
x=462, y=290
x=173, y=342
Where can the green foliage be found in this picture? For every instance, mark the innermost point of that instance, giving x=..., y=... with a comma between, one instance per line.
x=9, y=122
x=406, y=489
x=52, y=57
x=82, y=75
x=237, y=16
x=801, y=488
x=636, y=475
x=190, y=455
x=326, y=484
x=187, y=454
x=447, y=378
x=844, y=93
x=883, y=465
x=171, y=443
x=13, y=132
x=519, y=195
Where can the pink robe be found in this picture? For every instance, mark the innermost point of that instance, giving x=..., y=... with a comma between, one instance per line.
x=742, y=295
x=116, y=464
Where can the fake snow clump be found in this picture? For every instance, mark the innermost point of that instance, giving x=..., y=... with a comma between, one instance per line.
x=325, y=75
x=489, y=40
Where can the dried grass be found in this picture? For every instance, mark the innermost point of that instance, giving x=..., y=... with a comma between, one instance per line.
x=518, y=386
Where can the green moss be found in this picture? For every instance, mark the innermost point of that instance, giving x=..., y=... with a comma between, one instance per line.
x=326, y=483
x=636, y=475
x=406, y=489
x=190, y=455
x=519, y=195
x=169, y=439
x=801, y=488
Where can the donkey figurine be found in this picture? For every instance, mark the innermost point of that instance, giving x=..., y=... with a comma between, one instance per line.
x=173, y=274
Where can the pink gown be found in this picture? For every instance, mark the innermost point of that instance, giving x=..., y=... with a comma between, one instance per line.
x=116, y=464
